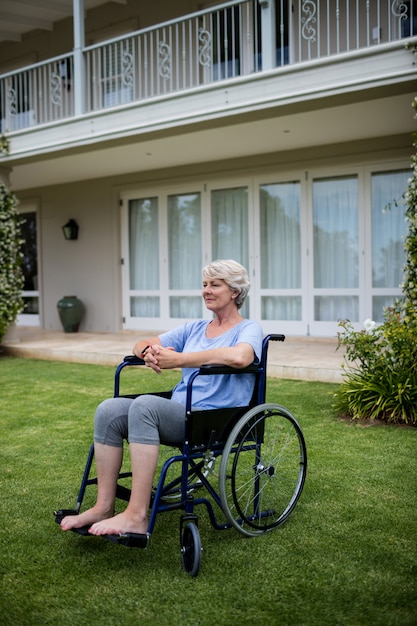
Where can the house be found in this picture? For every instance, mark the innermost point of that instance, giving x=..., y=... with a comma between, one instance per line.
x=274, y=132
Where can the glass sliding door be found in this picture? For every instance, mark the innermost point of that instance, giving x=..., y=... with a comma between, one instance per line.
x=388, y=231
x=320, y=247
x=280, y=251
x=336, y=249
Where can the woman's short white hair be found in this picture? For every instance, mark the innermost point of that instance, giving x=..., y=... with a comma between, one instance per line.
x=234, y=275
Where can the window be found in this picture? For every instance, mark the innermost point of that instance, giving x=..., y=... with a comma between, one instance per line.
x=280, y=229
x=185, y=258
x=318, y=248
x=388, y=231
x=144, y=257
x=117, y=71
x=226, y=43
x=30, y=313
x=336, y=248
x=229, y=228
x=281, y=33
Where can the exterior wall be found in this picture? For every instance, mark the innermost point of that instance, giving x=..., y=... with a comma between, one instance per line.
x=90, y=267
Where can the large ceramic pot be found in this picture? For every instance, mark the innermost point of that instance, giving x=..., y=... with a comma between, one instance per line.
x=71, y=311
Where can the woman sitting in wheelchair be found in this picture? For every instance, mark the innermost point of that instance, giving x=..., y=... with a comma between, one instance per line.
x=228, y=339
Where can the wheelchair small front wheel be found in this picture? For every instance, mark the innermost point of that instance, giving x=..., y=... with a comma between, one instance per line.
x=191, y=549
x=262, y=470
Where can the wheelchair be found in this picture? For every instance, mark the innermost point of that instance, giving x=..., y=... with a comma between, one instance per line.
x=262, y=462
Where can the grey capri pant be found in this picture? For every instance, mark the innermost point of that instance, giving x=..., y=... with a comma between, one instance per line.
x=145, y=419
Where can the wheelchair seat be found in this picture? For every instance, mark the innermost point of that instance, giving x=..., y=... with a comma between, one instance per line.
x=263, y=463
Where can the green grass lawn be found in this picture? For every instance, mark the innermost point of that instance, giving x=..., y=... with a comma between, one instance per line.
x=347, y=555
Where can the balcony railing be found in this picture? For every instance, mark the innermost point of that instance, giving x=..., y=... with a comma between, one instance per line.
x=232, y=40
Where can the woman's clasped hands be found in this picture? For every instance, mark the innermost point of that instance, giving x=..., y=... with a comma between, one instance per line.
x=158, y=358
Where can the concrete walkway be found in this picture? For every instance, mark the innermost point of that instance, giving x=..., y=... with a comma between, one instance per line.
x=303, y=358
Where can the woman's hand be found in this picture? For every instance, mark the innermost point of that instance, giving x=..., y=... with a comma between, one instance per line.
x=159, y=358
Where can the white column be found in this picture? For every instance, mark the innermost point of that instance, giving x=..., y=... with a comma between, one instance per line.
x=79, y=65
x=268, y=34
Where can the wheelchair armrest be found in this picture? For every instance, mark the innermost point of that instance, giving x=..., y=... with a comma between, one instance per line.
x=276, y=337
x=210, y=370
x=227, y=369
x=132, y=359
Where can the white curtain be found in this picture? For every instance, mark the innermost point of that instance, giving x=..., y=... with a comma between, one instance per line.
x=229, y=224
x=333, y=308
x=336, y=246
x=280, y=249
x=229, y=228
x=144, y=255
x=280, y=236
x=336, y=254
x=184, y=250
x=388, y=228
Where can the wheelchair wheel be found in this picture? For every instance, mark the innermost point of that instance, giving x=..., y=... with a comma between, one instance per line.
x=191, y=549
x=263, y=469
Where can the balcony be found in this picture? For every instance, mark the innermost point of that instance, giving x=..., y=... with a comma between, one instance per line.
x=212, y=47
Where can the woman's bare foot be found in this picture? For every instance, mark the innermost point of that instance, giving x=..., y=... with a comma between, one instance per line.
x=120, y=524
x=87, y=518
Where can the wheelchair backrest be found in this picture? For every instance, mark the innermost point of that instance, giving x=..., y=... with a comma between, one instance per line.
x=210, y=428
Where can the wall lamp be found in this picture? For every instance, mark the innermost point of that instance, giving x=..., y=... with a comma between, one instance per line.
x=70, y=230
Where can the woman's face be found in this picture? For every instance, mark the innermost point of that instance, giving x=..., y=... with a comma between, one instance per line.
x=217, y=294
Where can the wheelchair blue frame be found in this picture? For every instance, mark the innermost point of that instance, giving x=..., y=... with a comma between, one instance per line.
x=207, y=435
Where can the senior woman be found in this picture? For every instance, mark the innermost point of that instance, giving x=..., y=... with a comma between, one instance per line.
x=227, y=339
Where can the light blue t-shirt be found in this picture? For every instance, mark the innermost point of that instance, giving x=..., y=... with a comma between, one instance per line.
x=220, y=391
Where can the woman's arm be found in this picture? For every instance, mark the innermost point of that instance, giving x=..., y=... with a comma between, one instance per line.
x=140, y=347
x=160, y=358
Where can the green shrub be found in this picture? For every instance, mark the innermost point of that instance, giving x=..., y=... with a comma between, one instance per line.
x=380, y=369
x=11, y=275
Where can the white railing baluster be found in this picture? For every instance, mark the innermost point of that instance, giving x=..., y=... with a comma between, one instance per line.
x=177, y=58
x=151, y=72
x=329, y=27
x=357, y=24
x=337, y=16
x=193, y=35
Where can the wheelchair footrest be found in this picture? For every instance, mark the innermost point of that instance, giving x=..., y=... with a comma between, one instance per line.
x=130, y=540
x=59, y=516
